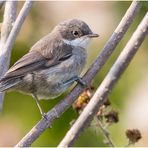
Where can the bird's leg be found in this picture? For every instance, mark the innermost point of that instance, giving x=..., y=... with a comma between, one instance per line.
x=39, y=107
x=77, y=79
x=80, y=81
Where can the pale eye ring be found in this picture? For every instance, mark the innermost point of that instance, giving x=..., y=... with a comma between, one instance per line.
x=75, y=33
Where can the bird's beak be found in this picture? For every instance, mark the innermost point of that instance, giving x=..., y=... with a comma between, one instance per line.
x=93, y=35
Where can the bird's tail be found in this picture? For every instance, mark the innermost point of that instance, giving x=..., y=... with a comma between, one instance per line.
x=6, y=84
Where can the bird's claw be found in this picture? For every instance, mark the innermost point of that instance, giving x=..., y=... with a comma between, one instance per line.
x=44, y=116
x=81, y=82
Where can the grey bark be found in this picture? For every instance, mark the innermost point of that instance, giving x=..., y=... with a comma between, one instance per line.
x=8, y=20
x=5, y=52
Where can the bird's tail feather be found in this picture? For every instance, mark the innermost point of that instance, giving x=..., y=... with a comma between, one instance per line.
x=8, y=83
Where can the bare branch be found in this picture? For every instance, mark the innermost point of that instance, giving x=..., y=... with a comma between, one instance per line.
x=106, y=86
x=57, y=111
x=6, y=49
x=8, y=20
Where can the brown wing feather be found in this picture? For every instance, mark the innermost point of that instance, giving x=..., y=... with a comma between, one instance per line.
x=28, y=63
x=38, y=58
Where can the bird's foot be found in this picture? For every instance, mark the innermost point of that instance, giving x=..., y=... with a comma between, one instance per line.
x=81, y=82
x=77, y=79
x=44, y=116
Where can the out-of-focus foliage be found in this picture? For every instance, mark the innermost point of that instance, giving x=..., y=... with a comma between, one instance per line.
x=20, y=113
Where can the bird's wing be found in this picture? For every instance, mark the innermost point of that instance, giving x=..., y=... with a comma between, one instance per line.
x=28, y=63
x=35, y=60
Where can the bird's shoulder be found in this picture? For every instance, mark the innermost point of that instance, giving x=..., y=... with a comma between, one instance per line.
x=44, y=54
x=52, y=47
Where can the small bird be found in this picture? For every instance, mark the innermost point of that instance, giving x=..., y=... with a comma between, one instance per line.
x=52, y=64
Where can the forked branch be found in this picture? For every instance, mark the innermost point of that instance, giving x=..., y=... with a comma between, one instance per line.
x=8, y=20
x=8, y=43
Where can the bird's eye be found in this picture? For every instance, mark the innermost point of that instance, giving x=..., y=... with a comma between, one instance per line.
x=75, y=33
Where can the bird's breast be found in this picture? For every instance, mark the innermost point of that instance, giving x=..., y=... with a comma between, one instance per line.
x=54, y=77
x=68, y=68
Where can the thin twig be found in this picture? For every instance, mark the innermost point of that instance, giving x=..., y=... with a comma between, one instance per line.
x=106, y=86
x=8, y=20
x=6, y=51
x=64, y=104
x=105, y=133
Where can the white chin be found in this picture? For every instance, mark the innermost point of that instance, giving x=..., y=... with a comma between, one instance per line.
x=81, y=42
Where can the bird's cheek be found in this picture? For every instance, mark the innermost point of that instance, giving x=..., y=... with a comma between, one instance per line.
x=85, y=42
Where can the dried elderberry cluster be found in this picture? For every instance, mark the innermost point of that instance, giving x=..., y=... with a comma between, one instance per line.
x=105, y=117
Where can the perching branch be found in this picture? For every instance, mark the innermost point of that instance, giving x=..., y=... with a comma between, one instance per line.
x=106, y=86
x=8, y=20
x=64, y=104
x=6, y=48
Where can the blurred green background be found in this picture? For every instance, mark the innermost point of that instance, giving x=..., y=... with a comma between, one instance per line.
x=129, y=97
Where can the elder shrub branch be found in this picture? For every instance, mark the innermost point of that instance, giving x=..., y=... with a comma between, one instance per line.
x=106, y=86
x=8, y=20
x=6, y=48
x=64, y=104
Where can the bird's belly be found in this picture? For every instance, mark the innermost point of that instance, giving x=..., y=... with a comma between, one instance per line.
x=52, y=82
x=54, y=85
x=50, y=91
x=46, y=85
